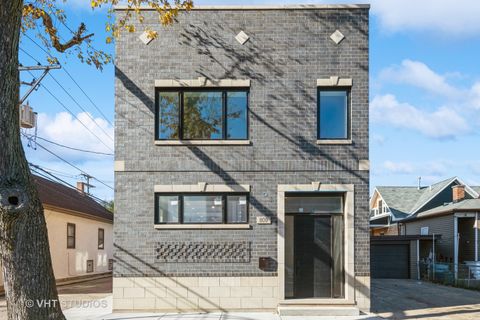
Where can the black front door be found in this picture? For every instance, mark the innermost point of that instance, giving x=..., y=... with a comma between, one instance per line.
x=313, y=256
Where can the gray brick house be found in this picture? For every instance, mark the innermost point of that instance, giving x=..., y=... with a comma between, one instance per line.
x=241, y=165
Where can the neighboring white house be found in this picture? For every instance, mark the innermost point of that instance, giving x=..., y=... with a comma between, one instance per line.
x=79, y=232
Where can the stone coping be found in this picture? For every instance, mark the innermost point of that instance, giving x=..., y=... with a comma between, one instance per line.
x=266, y=7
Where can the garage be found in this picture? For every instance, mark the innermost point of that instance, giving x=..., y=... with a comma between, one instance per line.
x=389, y=260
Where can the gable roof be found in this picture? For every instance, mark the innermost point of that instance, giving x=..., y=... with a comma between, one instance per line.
x=464, y=205
x=400, y=200
x=61, y=196
x=405, y=201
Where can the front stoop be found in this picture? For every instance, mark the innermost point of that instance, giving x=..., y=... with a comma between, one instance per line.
x=334, y=311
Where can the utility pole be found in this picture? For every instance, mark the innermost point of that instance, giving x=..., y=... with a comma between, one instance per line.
x=87, y=178
x=36, y=82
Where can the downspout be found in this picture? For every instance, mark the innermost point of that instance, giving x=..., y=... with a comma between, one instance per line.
x=418, y=259
x=476, y=236
x=455, y=246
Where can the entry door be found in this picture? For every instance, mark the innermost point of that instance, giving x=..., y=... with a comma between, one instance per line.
x=313, y=256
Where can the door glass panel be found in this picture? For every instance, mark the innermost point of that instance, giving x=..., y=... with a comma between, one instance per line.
x=312, y=204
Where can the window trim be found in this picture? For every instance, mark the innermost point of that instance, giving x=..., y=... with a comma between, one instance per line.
x=74, y=235
x=348, y=139
x=103, y=239
x=181, y=91
x=180, y=208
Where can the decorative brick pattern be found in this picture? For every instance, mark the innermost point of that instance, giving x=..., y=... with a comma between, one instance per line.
x=203, y=252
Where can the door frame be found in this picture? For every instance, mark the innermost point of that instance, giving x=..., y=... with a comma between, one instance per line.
x=348, y=190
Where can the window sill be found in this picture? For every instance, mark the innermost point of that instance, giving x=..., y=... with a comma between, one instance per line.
x=202, y=142
x=202, y=226
x=345, y=141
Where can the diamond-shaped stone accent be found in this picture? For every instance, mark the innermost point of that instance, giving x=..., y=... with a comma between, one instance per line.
x=337, y=36
x=145, y=38
x=242, y=37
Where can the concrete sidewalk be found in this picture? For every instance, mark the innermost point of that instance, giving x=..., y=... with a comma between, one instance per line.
x=101, y=309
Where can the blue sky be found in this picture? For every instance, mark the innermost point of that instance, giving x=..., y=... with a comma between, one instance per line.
x=424, y=95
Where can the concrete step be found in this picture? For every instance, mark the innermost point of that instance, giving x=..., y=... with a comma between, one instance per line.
x=326, y=311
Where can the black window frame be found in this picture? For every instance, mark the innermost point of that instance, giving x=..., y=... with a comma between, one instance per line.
x=180, y=206
x=101, y=245
x=181, y=91
x=348, y=91
x=74, y=235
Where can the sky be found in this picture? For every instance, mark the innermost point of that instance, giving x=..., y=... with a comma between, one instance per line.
x=424, y=95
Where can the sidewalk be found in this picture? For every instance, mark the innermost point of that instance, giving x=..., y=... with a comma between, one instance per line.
x=102, y=310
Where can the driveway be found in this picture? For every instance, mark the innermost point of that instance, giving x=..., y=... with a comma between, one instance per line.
x=411, y=299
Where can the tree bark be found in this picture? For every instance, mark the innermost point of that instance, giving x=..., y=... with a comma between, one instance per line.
x=25, y=254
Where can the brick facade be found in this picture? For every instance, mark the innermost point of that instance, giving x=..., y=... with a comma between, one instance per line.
x=287, y=52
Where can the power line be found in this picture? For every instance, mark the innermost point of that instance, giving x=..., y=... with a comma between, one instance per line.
x=72, y=148
x=73, y=115
x=88, y=97
x=76, y=102
x=71, y=77
x=69, y=163
x=36, y=169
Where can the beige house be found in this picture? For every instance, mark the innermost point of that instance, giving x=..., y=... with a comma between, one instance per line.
x=79, y=232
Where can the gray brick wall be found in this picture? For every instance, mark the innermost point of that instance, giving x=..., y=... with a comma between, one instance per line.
x=288, y=50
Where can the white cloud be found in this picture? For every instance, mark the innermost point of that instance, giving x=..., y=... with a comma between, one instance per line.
x=448, y=17
x=399, y=167
x=64, y=129
x=442, y=123
x=418, y=74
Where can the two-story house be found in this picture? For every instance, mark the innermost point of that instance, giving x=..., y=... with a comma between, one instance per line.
x=445, y=213
x=242, y=169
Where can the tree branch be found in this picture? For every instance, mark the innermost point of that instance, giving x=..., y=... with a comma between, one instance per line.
x=38, y=13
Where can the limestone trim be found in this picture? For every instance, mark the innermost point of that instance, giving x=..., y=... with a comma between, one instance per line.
x=264, y=7
x=334, y=81
x=202, y=187
x=202, y=226
x=364, y=165
x=349, y=230
x=201, y=82
x=119, y=165
x=335, y=141
x=182, y=294
x=202, y=143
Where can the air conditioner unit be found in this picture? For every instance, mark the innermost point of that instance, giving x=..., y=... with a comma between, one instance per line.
x=28, y=118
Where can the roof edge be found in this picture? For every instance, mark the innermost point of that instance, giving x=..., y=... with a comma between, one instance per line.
x=265, y=7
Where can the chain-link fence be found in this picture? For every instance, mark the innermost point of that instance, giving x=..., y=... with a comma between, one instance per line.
x=459, y=275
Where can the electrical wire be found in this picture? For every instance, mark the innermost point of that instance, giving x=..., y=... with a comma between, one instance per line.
x=76, y=102
x=73, y=115
x=72, y=148
x=70, y=164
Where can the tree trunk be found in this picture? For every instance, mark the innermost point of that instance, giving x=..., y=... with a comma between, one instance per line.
x=27, y=268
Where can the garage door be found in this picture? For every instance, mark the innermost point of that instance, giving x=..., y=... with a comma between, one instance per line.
x=389, y=261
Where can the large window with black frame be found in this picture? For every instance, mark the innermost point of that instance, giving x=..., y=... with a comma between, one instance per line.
x=202, y=114
x=204, y=208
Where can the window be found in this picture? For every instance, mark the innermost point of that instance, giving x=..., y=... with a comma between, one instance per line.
x=101, y=238
x=194, y=114
x=190, y=208
x=70, y=236
x=333, y=114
